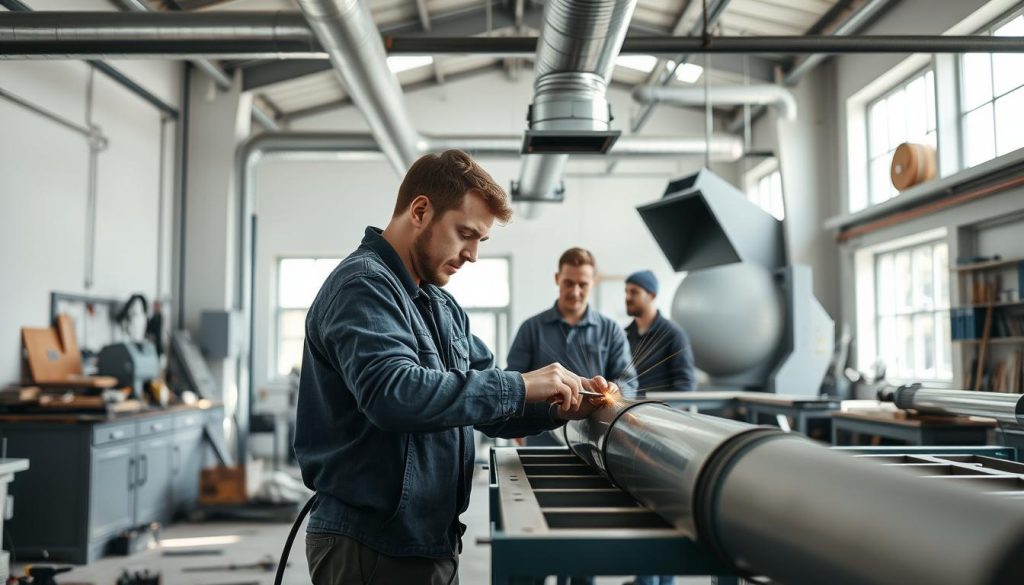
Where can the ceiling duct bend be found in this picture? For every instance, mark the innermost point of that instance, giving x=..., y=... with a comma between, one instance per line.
x=728, y=95
x=576, y=52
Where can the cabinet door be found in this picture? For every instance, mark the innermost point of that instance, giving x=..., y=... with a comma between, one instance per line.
x=154, y=476
x=188, y=461
x=112, y=489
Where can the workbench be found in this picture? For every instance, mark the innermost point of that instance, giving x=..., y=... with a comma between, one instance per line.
x=93, y=476
x=891, y=425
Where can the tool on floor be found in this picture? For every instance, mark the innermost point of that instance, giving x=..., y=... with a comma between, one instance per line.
x=143, y=577
x=41, y=574
x=267, y=563
x=193, y=552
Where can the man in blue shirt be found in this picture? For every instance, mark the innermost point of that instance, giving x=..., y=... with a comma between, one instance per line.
x=573, y=334
x=393, y=383
x=661, y=349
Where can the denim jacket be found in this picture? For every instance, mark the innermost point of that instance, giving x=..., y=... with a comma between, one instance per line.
x=385, y=413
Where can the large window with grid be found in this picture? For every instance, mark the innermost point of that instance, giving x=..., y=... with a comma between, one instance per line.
x=484, y=290
x=298, y=281
x=905, y=114
x=912, y=312
x=992, y=98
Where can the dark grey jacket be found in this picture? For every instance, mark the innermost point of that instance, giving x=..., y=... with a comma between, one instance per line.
x=387, y=405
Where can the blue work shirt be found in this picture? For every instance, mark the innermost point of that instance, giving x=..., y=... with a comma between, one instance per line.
x=595, y=346
x=663, y=356
x=392, y=384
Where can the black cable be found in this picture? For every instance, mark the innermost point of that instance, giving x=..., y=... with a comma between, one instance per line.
x=283, y=562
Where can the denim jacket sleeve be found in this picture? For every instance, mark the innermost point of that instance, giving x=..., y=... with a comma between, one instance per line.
x=371, y=342
x=619, y=367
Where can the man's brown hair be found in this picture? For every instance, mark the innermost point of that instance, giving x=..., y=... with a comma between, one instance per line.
x=445, y=179
x=576, y=257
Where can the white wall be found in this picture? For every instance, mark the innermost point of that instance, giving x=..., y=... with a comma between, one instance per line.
x=321, y=208
x=43, y=186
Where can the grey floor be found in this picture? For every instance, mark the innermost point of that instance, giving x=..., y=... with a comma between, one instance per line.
x=255, y=541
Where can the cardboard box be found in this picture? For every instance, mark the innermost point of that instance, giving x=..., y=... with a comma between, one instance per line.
x=229, y=484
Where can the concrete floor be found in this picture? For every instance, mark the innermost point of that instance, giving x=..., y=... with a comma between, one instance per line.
x=254, y=541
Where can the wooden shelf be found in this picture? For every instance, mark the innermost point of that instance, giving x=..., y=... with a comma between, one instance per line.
x=996, y=304
x=987, y=265
x=992, y=340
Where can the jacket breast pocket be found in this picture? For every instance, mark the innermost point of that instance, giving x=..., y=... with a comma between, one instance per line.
x=426, y=353
x=460, y=351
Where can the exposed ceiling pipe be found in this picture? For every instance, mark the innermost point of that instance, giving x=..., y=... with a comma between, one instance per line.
x=728, y=95
x=576, y=52
x=214, y=72
x=347, y=32
x=286, y=35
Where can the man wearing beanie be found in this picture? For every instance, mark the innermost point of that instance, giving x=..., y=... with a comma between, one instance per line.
x=661, y=350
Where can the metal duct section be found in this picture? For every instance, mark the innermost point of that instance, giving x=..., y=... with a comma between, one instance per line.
x=728, y=95
x=347, y=32
x=1005, y=408
x=576, y=52
x=778, y=504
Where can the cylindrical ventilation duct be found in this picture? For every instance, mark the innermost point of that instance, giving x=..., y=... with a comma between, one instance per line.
x=347, y=32
x=728, y=95
x=778, y=504
x=576, y=52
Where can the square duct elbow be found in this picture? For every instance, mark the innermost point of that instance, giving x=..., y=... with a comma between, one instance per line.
x=702, y=221
x=569, y=141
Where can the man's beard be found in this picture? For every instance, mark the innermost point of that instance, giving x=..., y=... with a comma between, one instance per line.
x=428, y=267
x=634, y=311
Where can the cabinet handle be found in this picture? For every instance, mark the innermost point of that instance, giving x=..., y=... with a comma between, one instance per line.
x=131, y=474
x=115, y=435
x=176, y=459
x=144, y=468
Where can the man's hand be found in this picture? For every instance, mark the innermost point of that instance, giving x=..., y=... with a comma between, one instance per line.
x=591, y=403
x=553, y=383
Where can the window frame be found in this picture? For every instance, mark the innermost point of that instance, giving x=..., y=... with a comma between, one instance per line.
x=502, y=314
x=939, y=312
x=962, y=113
x=869, y=158
x=753, y=177
x=279, y=310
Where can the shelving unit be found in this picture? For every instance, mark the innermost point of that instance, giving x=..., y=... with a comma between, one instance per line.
x=988, y=324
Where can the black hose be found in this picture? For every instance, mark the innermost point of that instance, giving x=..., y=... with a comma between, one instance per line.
x=283, y=562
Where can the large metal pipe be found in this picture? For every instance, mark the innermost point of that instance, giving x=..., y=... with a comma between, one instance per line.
x=778, y=504
x=728, y=95
x=347, y=32
x=1006, y=408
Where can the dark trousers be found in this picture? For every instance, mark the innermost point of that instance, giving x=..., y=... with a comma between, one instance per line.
x=340, y=560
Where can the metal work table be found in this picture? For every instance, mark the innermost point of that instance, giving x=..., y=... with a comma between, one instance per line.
x=551, y=514
x=918, y=430
x=811, y=416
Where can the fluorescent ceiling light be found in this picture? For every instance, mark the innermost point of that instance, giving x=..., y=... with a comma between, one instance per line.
x=402, y=63
x=643, y=63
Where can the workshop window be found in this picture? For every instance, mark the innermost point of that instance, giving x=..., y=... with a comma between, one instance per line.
x=992, y=98
x=483, y=289
x=912, y=332
x=905, y=114
x=298, y=281
x=764, y=188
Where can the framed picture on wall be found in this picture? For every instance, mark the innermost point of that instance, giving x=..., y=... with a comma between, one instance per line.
x=610, y=298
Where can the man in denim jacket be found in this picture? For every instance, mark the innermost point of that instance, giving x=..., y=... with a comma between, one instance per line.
x=393, y=383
